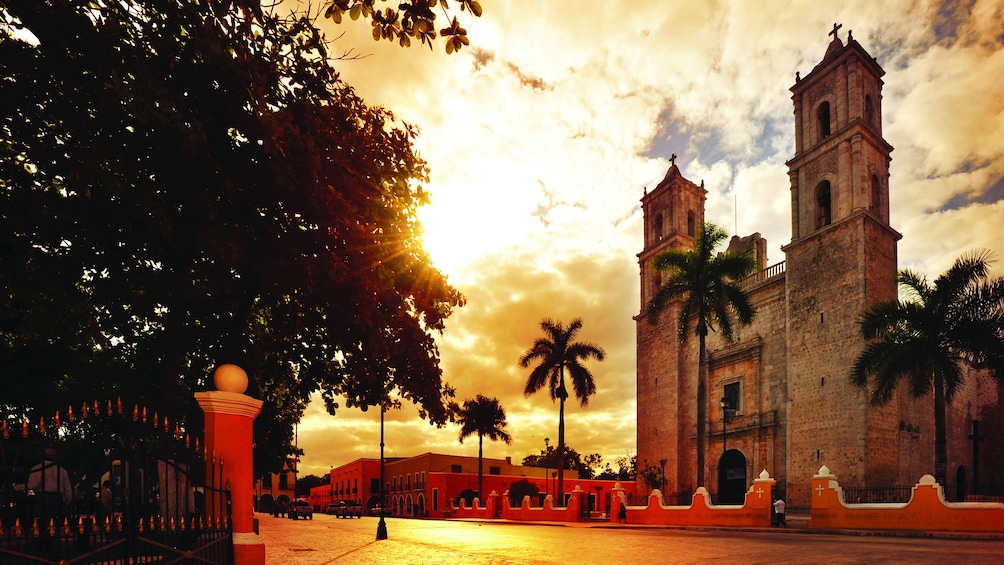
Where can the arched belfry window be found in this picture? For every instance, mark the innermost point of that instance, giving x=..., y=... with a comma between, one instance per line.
x=658, y=227
x=869, y=110
x=823, y=119
x=876, y=193
x=691, y=224
x=823, y=204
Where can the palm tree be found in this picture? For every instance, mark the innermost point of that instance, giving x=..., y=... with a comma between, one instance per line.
x=485, y=417
x=924, y=338
x=556, y=353
x=707, y=285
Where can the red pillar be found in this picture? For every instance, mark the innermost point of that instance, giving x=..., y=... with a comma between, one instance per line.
x=230, y=416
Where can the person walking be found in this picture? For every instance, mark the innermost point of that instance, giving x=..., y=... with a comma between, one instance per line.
x=622, y=514
x=51, y=485
x=779, y=513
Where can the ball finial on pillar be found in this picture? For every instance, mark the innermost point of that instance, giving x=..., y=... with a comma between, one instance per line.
x=230, y=378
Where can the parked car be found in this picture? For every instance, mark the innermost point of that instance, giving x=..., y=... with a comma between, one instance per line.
x=331, y=508
x=301, y=509
x=348, y=509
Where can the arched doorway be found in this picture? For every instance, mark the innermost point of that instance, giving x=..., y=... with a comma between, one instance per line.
x=732, y=477
x=961, y=486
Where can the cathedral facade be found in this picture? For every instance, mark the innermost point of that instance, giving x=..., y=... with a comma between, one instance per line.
x=780, y=397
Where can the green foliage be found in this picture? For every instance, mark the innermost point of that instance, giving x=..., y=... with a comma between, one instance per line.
x=652, y=476
x=520, y=489
x=704, y=285
x=184, y=184
x=483, y=417
x=304, y=484
x=924, y=339
x=415, y=19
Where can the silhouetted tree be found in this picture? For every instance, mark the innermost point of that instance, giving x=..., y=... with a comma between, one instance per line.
x=189, y=183
x=554, y=353
x=483, y=417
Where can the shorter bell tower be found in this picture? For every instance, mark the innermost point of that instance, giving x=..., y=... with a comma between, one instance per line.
x=673, y=213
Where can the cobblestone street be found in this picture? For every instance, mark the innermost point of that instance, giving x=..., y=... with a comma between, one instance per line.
x=327, y=539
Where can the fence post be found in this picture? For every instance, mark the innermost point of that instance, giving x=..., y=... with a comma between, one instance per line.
x=230, y=416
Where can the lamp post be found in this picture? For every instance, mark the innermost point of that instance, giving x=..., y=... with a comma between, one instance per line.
x=381, y=525
x=662, y=463
x=725, y=416
x=547, y=451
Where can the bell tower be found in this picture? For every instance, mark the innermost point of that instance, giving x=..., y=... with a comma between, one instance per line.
x=841, y=259
x=673, y=212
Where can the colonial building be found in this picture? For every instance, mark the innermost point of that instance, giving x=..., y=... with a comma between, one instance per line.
x=779, y=397
x=431, y=484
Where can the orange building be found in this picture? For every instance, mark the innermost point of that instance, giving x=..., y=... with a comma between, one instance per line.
x=276, y=487
x=431, y=484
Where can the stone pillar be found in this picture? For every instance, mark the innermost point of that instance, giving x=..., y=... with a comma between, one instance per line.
x=230, y=416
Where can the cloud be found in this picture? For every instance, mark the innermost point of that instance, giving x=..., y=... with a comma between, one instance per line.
x=542, y=137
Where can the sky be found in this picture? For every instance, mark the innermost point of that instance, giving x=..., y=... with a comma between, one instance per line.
x=543, y=135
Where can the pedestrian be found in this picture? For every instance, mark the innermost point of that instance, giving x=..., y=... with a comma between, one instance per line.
x=51, y=485
x=779, y=513
x=622, y=514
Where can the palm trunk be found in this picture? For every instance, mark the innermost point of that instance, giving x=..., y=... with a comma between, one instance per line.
x=940, y=437
x=702, y=401
x=481, y=495
x=561, y=452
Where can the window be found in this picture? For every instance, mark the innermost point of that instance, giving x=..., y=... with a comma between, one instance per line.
x=691, y=224
x=374, y=485
x=494, y=470
x=455, y=469
x=283, y=480
x=658, y=227
x=869, y=110
x=266, y=481
x=435, y=499
x=823, y=118
x=823, y=204
x=732, y=398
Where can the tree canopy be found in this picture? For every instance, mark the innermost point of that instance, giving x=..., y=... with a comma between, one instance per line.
x=184, y=184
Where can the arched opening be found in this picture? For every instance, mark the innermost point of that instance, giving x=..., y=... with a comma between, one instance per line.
x=876, y=193
x=732, y=477
x=691, y=224
x=658, y=227
x=961, y=485
x=823, y=204
x=420, y=506
x=823, y=120
x=409, y=507
x=869, y=110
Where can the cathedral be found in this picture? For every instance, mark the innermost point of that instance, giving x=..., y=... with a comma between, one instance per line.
x=780, y=397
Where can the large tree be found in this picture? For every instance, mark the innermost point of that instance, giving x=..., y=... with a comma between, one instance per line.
x=483, y=417
x=184, y=184
x=926, y=337
x=705, y=285
x=556, y=353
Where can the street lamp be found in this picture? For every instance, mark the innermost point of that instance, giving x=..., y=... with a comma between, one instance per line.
x=662, y=463
x=547, y=450
x=725, y=416
x=381, y=525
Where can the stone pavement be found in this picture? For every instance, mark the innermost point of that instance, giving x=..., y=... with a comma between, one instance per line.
x=328, y=540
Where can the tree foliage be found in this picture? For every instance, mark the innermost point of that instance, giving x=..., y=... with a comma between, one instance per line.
x=184, y=184
x=483, y=417
x=924, y=339
x=554, y=354
x=415, y=19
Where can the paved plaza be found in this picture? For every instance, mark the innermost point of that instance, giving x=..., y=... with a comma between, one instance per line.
x=327, y=539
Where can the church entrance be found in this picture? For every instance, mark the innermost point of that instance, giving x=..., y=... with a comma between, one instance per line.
x=731, y=477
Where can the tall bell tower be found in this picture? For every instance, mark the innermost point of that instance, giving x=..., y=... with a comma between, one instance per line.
x=841, y=259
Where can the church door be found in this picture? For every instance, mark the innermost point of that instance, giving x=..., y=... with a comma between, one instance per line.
x=732, y=477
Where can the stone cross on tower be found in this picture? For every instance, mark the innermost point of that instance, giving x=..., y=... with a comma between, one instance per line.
x=836, y=26
x=672, y=160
